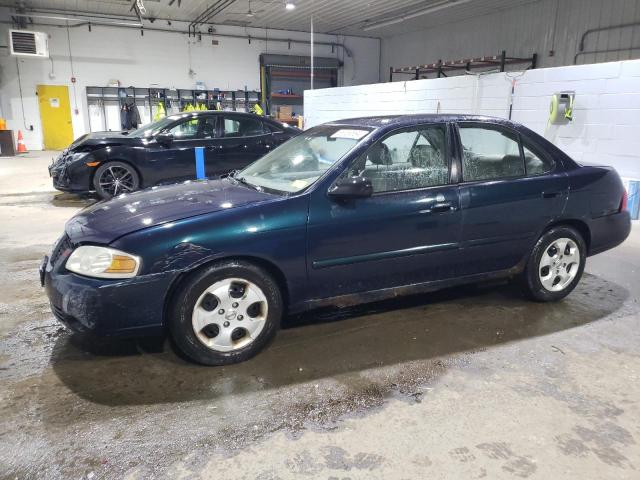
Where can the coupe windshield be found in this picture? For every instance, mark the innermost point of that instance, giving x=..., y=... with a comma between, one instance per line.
x=299, y=162
x=152, y=128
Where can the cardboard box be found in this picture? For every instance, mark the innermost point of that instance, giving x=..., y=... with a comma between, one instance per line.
x=285, y=112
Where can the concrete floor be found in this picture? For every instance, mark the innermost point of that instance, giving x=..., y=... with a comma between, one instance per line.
x=467, y=383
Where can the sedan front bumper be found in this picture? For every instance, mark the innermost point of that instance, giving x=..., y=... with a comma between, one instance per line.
x=130, y=307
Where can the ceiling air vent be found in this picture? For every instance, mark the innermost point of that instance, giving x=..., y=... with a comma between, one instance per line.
x=25, y=43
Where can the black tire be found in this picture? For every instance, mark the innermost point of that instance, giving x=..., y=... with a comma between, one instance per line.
x=184, y=301
x=531, y=282
x=108, y=173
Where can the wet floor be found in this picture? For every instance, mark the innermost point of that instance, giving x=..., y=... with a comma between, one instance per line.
x=73, y=408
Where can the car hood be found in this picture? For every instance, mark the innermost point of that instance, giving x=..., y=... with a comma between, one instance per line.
x=104, y=222
x=103, y=138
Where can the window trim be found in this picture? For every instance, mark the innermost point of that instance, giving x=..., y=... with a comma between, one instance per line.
x=492, y=126
x=448, y=156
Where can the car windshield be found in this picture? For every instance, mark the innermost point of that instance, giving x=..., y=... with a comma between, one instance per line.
x=152, y=128
x=299, y=162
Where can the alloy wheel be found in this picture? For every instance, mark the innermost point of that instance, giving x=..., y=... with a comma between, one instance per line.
x=230, y=314
x=116, y=180
x=559, y=264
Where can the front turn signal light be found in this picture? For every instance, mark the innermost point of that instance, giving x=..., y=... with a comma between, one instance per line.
x=92, y=164
x=122, y=264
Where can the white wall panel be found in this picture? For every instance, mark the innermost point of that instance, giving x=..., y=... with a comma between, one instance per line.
x=606, y=126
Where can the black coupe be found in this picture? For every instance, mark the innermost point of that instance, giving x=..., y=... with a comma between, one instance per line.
x=174, y=148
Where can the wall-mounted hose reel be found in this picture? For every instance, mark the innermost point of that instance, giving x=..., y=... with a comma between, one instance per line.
x=561, y=108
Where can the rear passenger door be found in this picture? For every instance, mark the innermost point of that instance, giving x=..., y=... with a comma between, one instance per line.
x=243, y=139
x=510, y=190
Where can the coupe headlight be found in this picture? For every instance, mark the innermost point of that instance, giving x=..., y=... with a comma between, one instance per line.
x=77, y=156
x=102, y=262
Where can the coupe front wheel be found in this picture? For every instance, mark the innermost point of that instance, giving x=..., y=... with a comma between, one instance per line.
x=555, y=265
x=113, y=178
x=225, y=313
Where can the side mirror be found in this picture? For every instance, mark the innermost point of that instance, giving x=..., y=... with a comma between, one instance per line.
x=164, y=138
x=353, y=187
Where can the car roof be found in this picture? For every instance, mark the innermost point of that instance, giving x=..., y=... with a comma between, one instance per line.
x=214, y=112
x=413, y=119
x=197, y=113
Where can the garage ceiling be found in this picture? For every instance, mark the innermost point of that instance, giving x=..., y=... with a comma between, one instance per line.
x=373, y=18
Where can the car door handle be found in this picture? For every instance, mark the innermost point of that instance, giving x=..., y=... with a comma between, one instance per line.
x=550, y=194
x=441, y=207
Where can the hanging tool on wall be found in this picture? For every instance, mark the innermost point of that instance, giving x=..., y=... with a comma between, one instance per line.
x=513, y=91
x=560, y=111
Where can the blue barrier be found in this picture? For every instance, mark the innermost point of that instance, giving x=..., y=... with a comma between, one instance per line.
x=199, y=162
x=633, y=199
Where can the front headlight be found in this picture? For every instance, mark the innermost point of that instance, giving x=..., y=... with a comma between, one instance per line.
x=102, y=262
x=73, y=157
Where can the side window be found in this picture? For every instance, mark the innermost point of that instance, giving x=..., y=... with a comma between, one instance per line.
x=536, y=164
x=406, y=160
x=208, y=127
x=185, y=129
x=242, y=127
x=271, y=128
x=489, y=153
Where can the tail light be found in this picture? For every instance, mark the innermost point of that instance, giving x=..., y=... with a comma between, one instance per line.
x=623, y=202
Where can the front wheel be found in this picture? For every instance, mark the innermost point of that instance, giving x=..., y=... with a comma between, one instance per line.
x=113, y=178
x=555, y=265
x=225, y=313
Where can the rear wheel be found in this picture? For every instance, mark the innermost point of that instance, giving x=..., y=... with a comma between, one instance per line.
x=225, y=313
x=113, y=178
x=555, y=265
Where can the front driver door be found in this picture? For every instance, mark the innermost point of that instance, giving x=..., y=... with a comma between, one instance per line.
x=175, y=161
x=407, y=232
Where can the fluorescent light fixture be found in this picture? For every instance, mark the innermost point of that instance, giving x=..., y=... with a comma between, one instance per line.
x=418, y=13
x=289, y=5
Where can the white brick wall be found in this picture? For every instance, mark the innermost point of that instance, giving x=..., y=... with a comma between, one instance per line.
x=605, y=129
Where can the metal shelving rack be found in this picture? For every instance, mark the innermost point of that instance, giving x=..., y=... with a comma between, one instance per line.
x=441, y=68
x=173, y=101
x=292, y=74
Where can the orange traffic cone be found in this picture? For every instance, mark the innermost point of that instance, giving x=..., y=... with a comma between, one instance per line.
x=21, y=146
